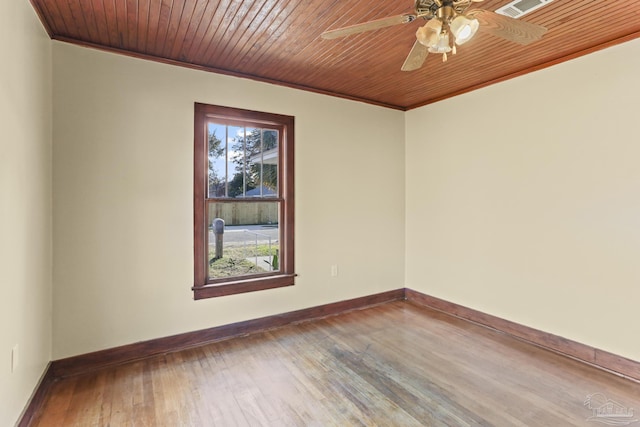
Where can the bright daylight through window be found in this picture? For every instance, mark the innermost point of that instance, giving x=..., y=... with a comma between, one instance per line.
x=243, y=201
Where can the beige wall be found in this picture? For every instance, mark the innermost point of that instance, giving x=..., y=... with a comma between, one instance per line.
x=25, y=204
x=523, y=200
x=123, y=245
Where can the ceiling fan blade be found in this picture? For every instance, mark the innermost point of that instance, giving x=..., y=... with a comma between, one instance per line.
x=514, y=30
x=368, y=26
x=416, y=57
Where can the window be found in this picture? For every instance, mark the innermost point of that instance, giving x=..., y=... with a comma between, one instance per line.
x=243, y=201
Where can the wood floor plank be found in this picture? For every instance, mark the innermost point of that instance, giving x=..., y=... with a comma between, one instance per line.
x=395, y=364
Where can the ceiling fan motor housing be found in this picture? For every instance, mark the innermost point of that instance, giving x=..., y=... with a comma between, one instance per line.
x=446, y=13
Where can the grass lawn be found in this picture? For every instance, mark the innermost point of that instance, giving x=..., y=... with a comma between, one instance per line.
x=234, y=261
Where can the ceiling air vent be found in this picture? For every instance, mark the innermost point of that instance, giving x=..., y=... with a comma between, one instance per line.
x=519, y=8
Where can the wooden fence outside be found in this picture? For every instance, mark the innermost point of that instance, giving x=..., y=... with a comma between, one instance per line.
x=244, y=213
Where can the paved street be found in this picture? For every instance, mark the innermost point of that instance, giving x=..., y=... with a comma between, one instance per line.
x=239, y=235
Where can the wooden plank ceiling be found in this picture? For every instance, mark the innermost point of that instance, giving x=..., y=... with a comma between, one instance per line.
x=279, y=41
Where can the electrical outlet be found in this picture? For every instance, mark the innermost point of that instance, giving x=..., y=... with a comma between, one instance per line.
x=14, y=358
x=334, y=271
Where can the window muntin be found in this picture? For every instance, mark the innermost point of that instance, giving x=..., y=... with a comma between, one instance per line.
x=243, y=169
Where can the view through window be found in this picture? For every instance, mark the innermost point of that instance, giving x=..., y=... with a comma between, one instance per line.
x=243, y=164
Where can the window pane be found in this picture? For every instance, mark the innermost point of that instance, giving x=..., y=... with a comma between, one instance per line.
x=237, y=150
x=231, y=164
x=217, y=159
x=266, y=164
x=250, y=240
x=252, y=144
x=243, y=161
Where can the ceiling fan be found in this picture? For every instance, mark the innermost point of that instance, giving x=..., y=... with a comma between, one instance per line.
x=449, y=23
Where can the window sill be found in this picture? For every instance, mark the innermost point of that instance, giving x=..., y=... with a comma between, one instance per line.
x=242, y=286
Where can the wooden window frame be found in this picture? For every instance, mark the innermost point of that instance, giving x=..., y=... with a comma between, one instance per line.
x=204, y=288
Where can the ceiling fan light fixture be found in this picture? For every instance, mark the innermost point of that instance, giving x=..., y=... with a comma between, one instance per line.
x=442, y=46
x=429, y=34
x=463, y=28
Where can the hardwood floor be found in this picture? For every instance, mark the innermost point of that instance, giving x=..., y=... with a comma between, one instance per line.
x=394, y=364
